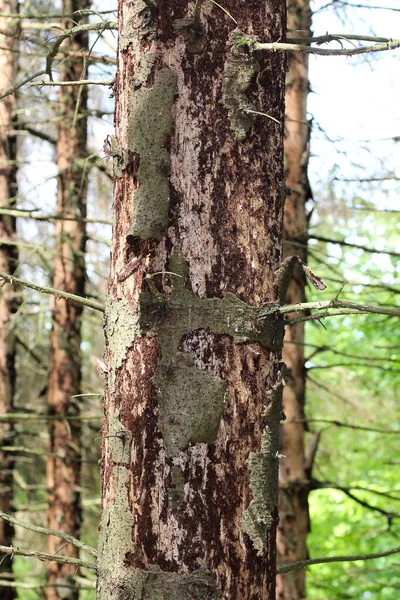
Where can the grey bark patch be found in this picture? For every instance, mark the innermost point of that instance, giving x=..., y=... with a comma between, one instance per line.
x=264, y=466
x=150, y=126
x=240, y=69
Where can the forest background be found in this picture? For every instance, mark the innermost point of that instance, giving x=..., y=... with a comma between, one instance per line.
x=352, y=362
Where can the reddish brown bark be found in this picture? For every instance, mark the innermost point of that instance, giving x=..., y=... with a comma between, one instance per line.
x=8, y=264
x=184, y=402
x=63, y=465
x=293, y=506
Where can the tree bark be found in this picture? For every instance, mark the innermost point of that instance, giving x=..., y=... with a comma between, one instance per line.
x=63, y=465
x=8, y=264
x=294, y=487
x=193, y=391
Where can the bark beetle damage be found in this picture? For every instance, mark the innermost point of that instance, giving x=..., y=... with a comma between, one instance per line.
x=214, y=175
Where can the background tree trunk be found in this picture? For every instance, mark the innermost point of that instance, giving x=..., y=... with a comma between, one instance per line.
x=63, y=465
x=293, y=504
x=192, y=399
x=8, y=264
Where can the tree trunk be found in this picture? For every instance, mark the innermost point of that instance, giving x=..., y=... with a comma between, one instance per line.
x=8, y=264
x=63, y=465
x=193, y=392
x=293, y=498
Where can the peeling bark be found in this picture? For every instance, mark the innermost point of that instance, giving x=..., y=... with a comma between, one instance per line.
x=190, y=437
x=294, y=487
x=63, y=464
x=8, y=264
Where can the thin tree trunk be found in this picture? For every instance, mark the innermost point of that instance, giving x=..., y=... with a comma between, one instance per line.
x=193, y=392
x=63, y=465
x=8, y=264
x=293, y=498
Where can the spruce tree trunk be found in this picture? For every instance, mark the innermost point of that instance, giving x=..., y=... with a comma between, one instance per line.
x=193, y=392
x=8, y=264
x=294, y=487
x=63, y=465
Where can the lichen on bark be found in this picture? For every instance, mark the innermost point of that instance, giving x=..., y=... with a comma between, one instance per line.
x=263, y=467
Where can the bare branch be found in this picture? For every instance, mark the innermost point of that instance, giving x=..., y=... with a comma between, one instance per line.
x=316, y=485
x=18, y=417
x=358, y=246
x=54, y=532
x=32, y=214
x=331, y=559
x=288, y=47
x=73, y=83
x=344, y=307
x=23, y=82
x=10, y=550
x=52, y=292
x=348, y=426
x=86, y=27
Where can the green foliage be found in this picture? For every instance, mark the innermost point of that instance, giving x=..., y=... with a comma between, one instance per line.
x=354, y=375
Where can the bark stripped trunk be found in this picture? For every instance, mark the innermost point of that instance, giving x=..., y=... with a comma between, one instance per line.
x=192, y=400
x=63, y=465
x=8, y=264
x=293, y=498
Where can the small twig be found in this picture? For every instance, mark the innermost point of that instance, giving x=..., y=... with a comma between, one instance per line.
x=10, y=550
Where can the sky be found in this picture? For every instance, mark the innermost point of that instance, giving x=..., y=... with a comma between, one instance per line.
x=355, y=100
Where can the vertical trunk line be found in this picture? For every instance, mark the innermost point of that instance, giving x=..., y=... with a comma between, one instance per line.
x=64, y=461
x=293, y=504
x=9, y=264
